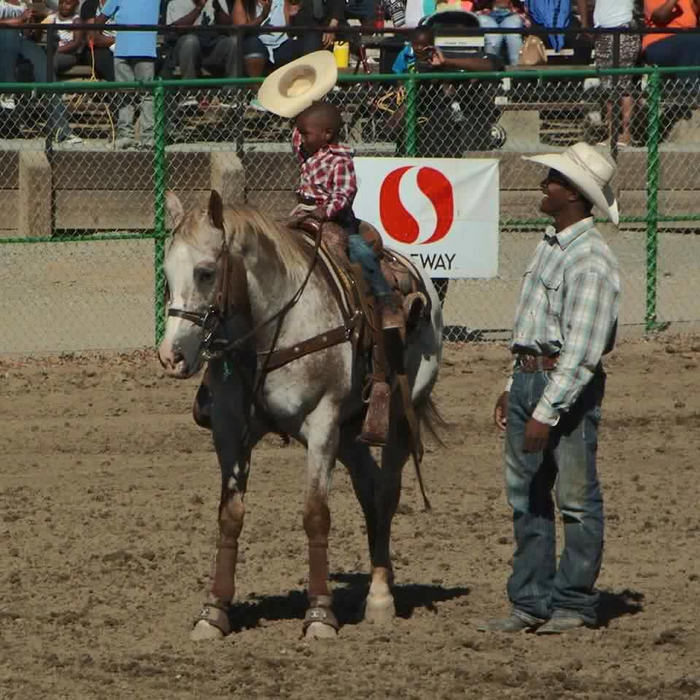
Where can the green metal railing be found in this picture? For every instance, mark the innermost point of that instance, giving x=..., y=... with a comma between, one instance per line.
x=160, y=89
x=159, y=230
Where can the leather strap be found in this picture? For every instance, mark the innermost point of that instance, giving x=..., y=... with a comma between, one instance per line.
x=535, y=363
x=216, y=615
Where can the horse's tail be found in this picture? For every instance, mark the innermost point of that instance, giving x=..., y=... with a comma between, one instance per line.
x=427, y=414
x=430, y=417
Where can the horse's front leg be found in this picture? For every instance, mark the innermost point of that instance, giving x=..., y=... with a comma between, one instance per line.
x=322, y=446
x=229, y=415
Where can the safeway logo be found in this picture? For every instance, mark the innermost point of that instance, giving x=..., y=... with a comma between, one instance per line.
x=398, y=222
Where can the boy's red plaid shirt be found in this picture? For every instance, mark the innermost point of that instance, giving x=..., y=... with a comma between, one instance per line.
x=327, y=177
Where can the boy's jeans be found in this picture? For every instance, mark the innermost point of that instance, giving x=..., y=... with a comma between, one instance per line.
x=536, y=586
x=359, y=251
x=127, y=70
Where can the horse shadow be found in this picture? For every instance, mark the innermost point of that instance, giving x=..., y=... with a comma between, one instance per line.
x=618, y=604
x=348, y=599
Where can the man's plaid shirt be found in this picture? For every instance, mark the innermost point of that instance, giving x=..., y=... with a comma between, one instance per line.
x=568, y=306
x=327, y=177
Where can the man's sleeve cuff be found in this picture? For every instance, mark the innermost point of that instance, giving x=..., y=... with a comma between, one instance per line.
x=544, y=413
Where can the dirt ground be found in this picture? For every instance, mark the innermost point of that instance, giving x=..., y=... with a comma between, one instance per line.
x=108, y=494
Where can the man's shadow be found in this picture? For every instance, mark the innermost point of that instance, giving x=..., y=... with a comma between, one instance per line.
x=618, y=604
x=348, y=599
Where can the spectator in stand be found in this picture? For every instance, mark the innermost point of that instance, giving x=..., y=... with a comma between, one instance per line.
x=328, y=13
x=69, y=42
x=208, y=49
x=506, y=14
x=558, y=14
x=265, y=52
x=365, y=11
x=672, y=49
x=14, y=45
x=11, y=15
x=451, y=119
x=134, y=59
x=100, y=43
x=615, y=14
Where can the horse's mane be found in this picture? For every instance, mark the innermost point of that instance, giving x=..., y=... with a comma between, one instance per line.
x=243, y=223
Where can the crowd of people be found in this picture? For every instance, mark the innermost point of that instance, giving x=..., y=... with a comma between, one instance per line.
x=124, y=55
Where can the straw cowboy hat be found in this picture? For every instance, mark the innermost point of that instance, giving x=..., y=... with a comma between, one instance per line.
x=289, y=90
x=589, y=171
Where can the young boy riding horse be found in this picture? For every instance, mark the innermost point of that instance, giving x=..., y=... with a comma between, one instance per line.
x=326, y=191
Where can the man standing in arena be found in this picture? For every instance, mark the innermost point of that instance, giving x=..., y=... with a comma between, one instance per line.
x=565, y=322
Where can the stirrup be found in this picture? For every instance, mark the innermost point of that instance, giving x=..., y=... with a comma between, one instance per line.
x=391, y=312
x=376, y=424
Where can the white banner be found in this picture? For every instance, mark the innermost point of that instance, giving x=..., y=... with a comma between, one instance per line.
x=442, y=212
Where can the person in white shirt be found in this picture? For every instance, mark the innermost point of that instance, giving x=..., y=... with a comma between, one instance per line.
x=15, y=45
x=615, y=14
x=193, y=50
x=12, y=15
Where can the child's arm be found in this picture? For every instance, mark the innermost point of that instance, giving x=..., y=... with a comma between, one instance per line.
x=343, y=187
x=16, y=19
x=191, y=17
x=470, y=63
x=296, y=145
x=75, y=44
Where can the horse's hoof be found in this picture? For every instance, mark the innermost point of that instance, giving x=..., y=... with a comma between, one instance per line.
x=380, y=610
x=204, y=630
x=320, y=630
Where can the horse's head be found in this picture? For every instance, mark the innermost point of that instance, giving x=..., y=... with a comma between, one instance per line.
x=196, y=262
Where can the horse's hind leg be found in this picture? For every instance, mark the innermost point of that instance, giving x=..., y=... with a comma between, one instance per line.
x=322, y=446
x=378, y=492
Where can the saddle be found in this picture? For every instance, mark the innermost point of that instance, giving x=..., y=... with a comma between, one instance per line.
x=378, y=338
x=354, y=296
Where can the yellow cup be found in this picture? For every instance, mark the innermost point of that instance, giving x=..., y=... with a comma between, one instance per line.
x=341, y=53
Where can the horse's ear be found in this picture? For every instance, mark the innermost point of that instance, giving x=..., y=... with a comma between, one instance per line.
x=176, y=212
x=216, y=210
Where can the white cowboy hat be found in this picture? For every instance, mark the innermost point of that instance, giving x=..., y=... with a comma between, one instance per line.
x=289, y=90
x=589, y=171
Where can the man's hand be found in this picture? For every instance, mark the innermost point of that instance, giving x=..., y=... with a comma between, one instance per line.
x=265, y=6
x=536, y=436
x=329, y=37
x=199, y=4
x=437, y=58
x=24, y=18
x=500, y=412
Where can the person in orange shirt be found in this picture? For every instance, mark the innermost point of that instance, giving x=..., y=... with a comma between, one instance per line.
x=672, y=49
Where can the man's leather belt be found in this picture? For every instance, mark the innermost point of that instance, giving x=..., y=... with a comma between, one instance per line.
x=535, y=363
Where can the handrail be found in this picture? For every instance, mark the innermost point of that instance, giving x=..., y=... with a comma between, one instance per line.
x=179, y=83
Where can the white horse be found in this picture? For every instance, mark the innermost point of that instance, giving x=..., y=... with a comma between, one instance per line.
x=276, y=297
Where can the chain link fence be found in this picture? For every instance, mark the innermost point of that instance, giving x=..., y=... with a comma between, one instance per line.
x=83, y=231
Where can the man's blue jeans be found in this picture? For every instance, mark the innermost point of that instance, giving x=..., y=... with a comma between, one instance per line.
x=537, y=586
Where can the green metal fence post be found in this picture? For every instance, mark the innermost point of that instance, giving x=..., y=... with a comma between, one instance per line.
x=159, y=185
x=652, y=239
x=411, y=116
